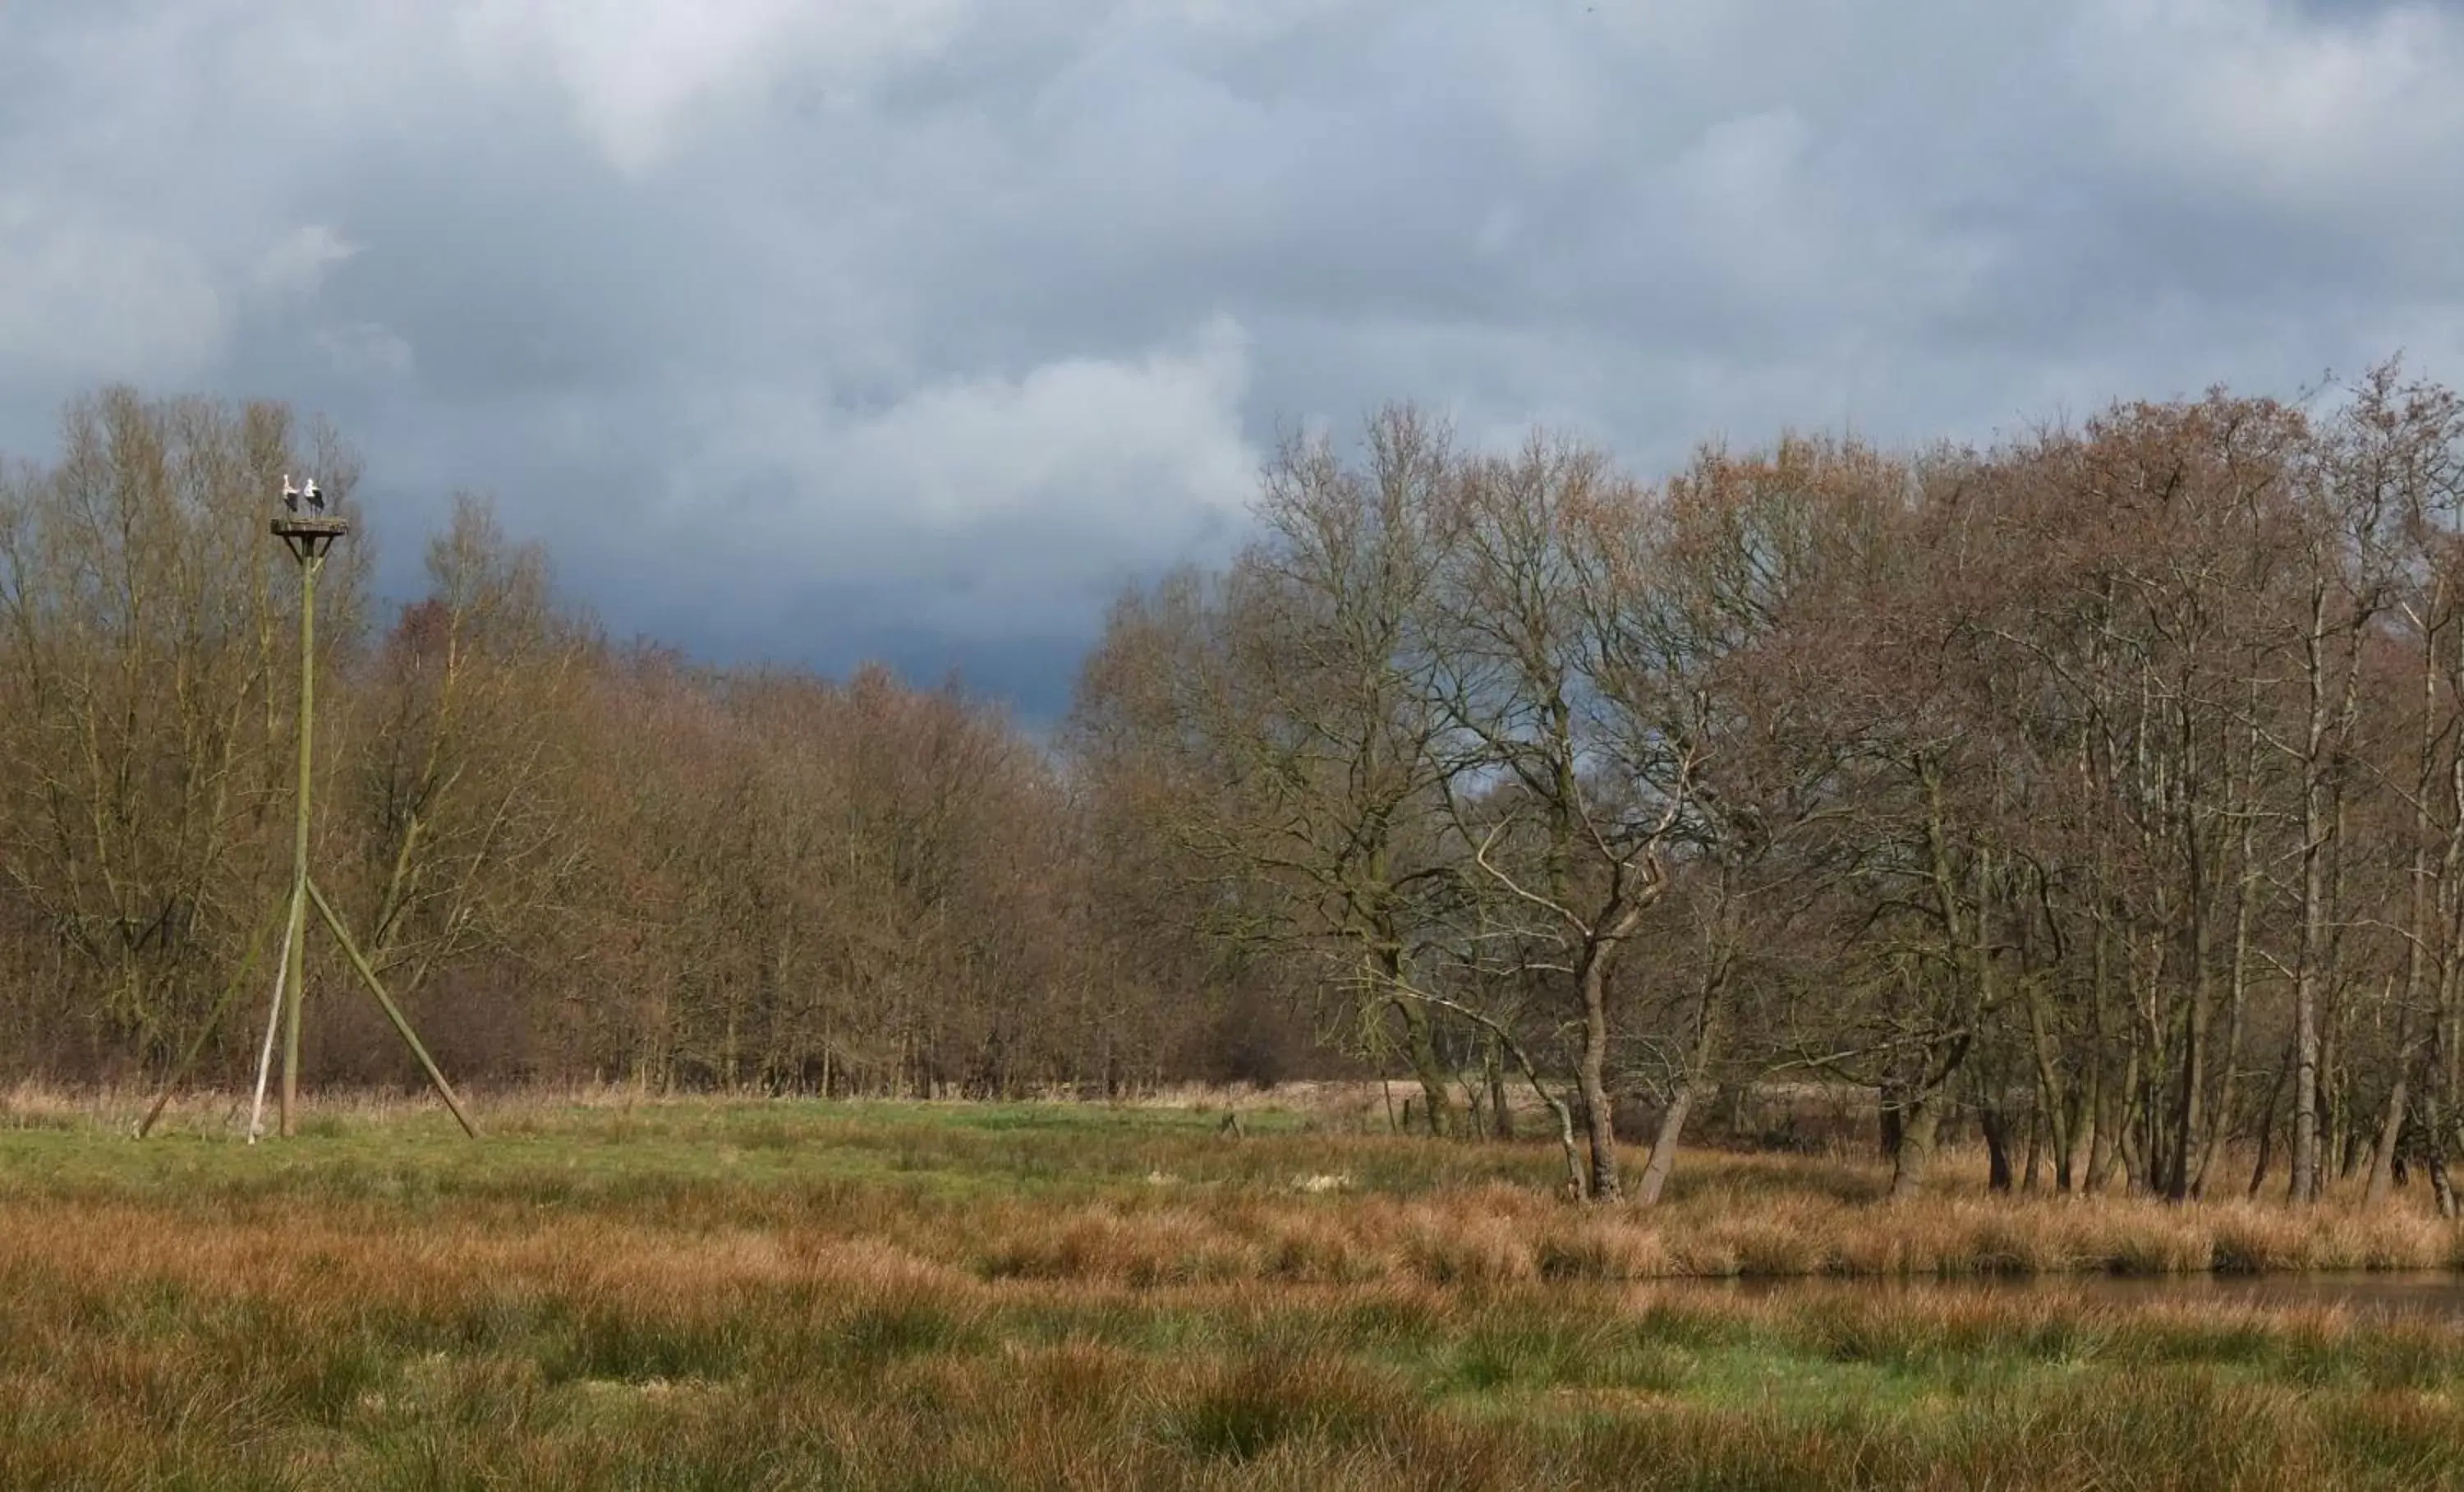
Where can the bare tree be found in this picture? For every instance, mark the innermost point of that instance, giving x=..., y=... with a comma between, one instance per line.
x=1294, y=708
x=140, y=609
x=1557, y=699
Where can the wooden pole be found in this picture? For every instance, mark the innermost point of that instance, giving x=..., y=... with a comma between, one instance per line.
x=311, y=560
x=310, y=539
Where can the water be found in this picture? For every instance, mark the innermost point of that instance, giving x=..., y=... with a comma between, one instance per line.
x=2430, y=1294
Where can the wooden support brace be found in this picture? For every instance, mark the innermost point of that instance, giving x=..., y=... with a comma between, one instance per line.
x=205, y=1033
x=376, y=987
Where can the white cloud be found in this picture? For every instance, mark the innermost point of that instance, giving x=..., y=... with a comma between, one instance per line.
x=640, y=73
x=299, y=263
x=906, y=294
x=1032, y=487
x=1100, y=444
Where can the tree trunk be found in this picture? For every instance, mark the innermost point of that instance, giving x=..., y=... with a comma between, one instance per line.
x=2123, y=1108
x=1914, y=1154
x=2189, y=1118
x=2267, y=1123
x=1591, y=1077
x=1913, y=1116
x=2036, y=1149
x=1709, y=1008
x=2390, y=1126
x=2434, y=1120
x=1420, y=1050
x=2237, y=1001
x=1501, y=1114
x=2051, y=1125
x=2335, y=1115
x=1566, y=1143
x=2306, y=1182
x=2133, y=1151
x=2095, y=1136
x=1664, y=1145
x=2086, y=1149
x=1996, y=1126
x=2304, y=1186
x=2422, y=926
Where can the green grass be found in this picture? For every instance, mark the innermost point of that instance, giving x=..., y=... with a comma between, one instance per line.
x=604, y=1152
x=884, y=1296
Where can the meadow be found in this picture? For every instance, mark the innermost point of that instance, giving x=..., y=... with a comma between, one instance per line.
x=614, y=1293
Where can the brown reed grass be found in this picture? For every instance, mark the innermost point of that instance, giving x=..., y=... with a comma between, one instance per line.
x=890, y=1298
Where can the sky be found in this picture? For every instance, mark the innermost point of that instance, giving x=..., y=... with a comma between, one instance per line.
x=810, y=332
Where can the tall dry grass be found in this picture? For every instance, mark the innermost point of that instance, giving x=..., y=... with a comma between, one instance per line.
x=784, y=1296
x=316, y=1346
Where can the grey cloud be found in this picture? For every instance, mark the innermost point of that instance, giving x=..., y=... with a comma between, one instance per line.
x=919, y=324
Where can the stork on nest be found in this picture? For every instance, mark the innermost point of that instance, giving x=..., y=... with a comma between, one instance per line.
x=311, y=494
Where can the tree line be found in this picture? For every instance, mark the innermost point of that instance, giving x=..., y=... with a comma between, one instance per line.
x=2102, y=787
x=571, y=857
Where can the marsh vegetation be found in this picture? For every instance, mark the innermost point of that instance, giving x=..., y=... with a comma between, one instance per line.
x=625, y=1293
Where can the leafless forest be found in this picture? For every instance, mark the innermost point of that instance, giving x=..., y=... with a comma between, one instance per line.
x=2101, y=789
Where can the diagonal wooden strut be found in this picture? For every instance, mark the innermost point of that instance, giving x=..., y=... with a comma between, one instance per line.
x=376, y=987
x=273, y=1015
x=205, y=1033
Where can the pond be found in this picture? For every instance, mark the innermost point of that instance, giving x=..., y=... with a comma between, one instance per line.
x=2415, y=1294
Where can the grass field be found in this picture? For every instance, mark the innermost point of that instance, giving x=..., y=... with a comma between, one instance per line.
x=795, y=1295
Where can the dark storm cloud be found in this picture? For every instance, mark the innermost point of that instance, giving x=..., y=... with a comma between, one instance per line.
x=913, y=327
